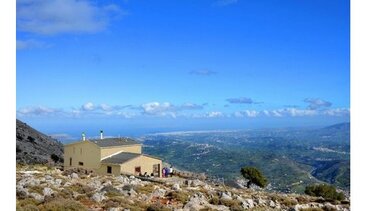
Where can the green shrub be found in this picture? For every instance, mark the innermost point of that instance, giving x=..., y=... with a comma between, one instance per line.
x=215, y=200
x=254, y=176
x=325, y=191
x=56, y=158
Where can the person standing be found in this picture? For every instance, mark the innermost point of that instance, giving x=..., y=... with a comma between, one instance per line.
x=166, y=171
x=171, y=171
x=163, y=172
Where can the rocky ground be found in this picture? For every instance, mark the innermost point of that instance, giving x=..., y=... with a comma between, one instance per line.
x=47, y=188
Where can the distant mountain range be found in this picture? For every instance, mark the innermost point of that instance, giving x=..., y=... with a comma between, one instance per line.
x=34, y=147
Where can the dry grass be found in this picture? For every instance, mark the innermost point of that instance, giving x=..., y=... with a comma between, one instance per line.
x=180, y=196
x=157, y=207
x=312, y=209
x=144, y=189
x=63, y=205
x=36, y=189
x=27, y=201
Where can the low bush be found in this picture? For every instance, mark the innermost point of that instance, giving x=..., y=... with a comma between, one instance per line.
x=215, y=200
x=325, y=191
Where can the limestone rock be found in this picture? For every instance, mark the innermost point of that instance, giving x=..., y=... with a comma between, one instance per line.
x=47, y=191
x=98, y=197
x=37, y=196
x=176, y=187
x=74, y=176
x=225, y=196
x=158, y=192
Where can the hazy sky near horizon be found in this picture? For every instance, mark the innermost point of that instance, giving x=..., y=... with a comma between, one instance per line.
x=181, y=65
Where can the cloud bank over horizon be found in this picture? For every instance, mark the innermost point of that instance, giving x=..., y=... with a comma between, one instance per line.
x=185, y=110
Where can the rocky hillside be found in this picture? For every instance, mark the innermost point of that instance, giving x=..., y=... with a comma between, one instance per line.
x=34, y=147
x=45, y=188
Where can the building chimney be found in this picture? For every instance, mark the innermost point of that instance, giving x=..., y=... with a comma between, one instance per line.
x=101, y=134
x=83, y=136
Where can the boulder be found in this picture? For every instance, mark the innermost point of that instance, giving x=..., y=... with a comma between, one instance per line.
x=196, y=182
x=29, y=181
x=47, y=191
x=107, y=183
x=119, y=179
x=115, y=209
x=96, y=184
x=158, y=192
x=74, y=176
x=225, y=196
x=67, y=184
x=98, y=197
x=272, y=204
x=250, y=203
x=48, y=177
x=37, y=196
x=176, y=187
x=132, y=193
x=196, y=202
x=260, y=201
x=21, y=192
x=57, y=182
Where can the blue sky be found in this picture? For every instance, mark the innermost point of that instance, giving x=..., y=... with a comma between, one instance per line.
x=147, y=66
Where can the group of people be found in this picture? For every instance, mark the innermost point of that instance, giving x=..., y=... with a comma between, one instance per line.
x=167, y=172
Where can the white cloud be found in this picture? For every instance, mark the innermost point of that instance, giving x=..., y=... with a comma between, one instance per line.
x=159, y=109
x=294, y=112
x=167, y=109
x=88, y=106
x=337, y=112
x=214, y=114
x=37, y=111
x=316, y=103
x=246, y=113
x=30, y=44
x=63, y=16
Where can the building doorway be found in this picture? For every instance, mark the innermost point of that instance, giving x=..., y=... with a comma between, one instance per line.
x=156, y=170
x=137, y=170
x=109, y=169
x=70, y=162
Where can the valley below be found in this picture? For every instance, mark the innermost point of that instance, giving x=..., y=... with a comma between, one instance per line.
x=291, y=159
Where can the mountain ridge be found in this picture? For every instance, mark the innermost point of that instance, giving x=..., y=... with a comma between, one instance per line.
x=34, y=147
